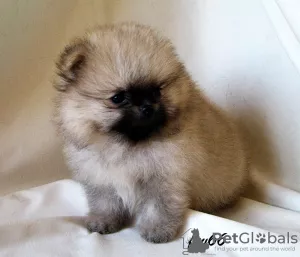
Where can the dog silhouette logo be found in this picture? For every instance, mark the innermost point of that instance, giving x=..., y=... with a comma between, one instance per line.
x=192, y=242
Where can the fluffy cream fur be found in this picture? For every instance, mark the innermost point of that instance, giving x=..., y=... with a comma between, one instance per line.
x=196, y=160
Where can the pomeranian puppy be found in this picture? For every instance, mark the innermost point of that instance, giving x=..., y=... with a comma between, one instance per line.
x=139, y=134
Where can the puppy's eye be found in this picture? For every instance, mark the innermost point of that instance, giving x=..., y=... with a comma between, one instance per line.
x=118, y=98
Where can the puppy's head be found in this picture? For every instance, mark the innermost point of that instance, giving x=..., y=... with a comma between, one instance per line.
x=121, y=80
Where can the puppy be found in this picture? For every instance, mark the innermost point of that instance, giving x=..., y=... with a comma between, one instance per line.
x=140, y=136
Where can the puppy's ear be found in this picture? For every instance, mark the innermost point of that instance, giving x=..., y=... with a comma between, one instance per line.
x=70, y=64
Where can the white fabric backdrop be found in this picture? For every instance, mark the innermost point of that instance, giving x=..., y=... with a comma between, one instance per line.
x=245, y=54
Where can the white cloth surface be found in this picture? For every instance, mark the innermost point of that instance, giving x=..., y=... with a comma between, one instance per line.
x=245, y=54
x=45, y=221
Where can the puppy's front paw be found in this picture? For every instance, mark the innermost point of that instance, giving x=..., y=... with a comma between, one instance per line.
x=102, y=225
x=159, y=234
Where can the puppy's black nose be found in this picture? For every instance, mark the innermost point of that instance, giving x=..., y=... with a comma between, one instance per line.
x=147, y=111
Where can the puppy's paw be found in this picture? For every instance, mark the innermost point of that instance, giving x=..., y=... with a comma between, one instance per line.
x=158, y=234
x=102, y=225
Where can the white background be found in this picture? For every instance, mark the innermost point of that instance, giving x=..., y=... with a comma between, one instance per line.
x=245, y=54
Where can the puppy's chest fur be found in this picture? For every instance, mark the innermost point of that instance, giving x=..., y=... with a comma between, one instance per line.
x=122, y=167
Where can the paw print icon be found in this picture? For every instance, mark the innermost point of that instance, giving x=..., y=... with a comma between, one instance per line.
x=261, y=238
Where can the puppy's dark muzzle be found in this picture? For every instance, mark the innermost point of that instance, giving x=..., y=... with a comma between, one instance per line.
x=147, y=111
